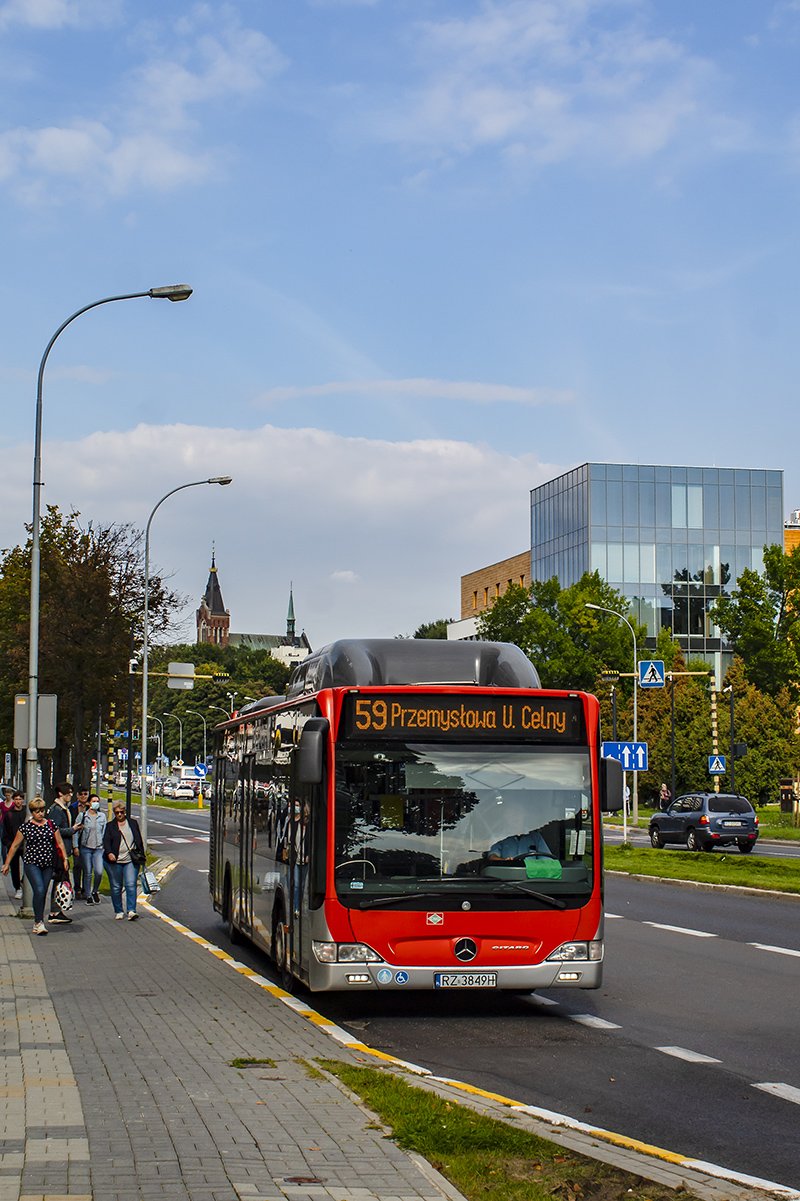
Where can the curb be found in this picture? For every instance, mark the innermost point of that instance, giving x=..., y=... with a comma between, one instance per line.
x=734, y=889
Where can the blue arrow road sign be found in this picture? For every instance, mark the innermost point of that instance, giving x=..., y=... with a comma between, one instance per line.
x=651, y=673
x=632, y=755
x=200, y=769
x=716, y=765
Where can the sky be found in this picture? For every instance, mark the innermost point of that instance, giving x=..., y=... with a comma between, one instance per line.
x=441, y=251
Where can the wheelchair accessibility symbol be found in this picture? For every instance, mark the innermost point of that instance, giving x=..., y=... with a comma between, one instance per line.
x=401, y=977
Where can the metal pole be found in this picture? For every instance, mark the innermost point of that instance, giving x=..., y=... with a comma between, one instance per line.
x=613, y=612
x=31, y=755
x=672, y=728
x=614, y=712
x=219, y=479
x=733, y=757
x=205, y=740
x=128, y=780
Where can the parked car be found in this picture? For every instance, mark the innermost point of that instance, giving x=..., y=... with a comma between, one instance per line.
x=704, y=820
x=184, y=791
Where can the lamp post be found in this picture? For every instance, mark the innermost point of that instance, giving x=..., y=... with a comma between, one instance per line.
x=180, y=736
x=171, y=292
x=613, y=612
x=205, y=732
x=160, y=737
x=216, y=479
x=231, y=697
x=219, y=709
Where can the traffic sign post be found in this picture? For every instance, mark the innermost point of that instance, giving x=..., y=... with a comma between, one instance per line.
x=651, y=673
x=716, y=765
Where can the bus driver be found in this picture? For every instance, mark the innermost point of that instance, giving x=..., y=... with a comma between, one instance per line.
x=516, y=845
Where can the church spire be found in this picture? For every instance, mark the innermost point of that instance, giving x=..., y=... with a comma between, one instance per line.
x=290, y=623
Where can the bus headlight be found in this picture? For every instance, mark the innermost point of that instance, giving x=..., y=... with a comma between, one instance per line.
x=577, y=950
x=356, y=952
x=344, y=952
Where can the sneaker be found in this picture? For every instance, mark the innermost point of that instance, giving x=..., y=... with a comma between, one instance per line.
x=89, y=901
x=132, y=916
x=60, y=919
x=119, y=916
x=18, y=895
x=39, y=928
x=96, y=898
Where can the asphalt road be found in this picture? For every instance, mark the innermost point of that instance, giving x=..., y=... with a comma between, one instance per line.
x=767, y=848
x=691, y=1019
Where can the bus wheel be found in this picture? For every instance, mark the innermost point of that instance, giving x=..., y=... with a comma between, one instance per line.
x=281, y=952
x=233, y=934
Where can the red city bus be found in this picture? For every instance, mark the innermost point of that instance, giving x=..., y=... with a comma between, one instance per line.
x=415, y=814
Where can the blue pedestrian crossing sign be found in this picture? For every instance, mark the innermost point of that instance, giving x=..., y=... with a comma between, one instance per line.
x=651, y=673
x=632, y=755
x=716, y=765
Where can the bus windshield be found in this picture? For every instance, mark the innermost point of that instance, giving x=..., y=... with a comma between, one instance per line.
x=421, y=818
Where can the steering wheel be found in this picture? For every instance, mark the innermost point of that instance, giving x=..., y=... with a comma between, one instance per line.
x=352, y=862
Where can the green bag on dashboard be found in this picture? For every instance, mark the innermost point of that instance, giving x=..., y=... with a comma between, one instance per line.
x=543, y=869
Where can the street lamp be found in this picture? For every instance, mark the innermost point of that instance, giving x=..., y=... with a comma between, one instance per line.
x=219, y=709
x=152, y=717
x=180, y=736
x=205, y=732
x=215, y=479
x=613, y=612
x=231, y=696
x=171, y=292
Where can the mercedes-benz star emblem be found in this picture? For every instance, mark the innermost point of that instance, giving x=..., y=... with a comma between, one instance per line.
x=465, y=950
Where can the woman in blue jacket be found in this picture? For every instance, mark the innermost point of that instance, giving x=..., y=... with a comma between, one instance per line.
x=91, y=827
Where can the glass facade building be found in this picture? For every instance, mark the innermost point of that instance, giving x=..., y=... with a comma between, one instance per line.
x=669, y=538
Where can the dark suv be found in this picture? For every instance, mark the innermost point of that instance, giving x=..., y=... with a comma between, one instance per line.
x=706, y=820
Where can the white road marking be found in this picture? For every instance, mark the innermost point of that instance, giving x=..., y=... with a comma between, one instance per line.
x=762, y=946
x=178, y=840
x=535, y=999
x=152, y=821
x=680, y=930
x=689, y=1056
x=781, y=1090
x=589, y=1019
x=614, y=915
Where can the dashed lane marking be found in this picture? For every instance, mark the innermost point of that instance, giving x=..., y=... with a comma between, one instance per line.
x=787, y=1091
x=762, y=946
x=681, y=930
x=590, y=1019
x=555, y=1119
x=689, y=1056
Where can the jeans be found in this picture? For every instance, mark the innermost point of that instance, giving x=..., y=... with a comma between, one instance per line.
x=92, y=861
x=40, y=878
x=119, y=874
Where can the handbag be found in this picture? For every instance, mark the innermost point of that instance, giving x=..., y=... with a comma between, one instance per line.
x=138, y=858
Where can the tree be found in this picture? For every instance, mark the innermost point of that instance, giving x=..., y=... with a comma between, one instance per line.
x=567, y=643
x=761, y=621
x=768, y=726
x=91, y=596
x=432, y=629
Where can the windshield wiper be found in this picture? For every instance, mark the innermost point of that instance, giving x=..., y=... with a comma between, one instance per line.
x=539, y=896
x=393, y=898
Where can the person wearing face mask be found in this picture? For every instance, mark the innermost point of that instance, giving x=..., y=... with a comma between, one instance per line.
x=92, y=826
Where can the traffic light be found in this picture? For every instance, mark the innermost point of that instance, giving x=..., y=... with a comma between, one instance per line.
x=222, y=677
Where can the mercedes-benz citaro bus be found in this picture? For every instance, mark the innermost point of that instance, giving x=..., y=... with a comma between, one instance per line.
x=415, y=814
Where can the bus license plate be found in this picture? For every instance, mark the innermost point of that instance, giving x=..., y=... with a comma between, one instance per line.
x=465, y=980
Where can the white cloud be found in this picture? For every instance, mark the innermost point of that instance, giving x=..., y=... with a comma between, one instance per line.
x=55, y=14
x=439, y=389
x=408, y=518
x=149, y=134
x=547, y=80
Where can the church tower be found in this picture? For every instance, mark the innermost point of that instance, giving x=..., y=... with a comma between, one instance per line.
x=213, y=619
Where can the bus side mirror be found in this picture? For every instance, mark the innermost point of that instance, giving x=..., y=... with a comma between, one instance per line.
x=611, y=795
x=311, y=751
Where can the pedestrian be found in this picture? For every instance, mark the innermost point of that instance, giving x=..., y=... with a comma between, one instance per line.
x=664, y=797
x=90, y=845
x=40, y=839
x=6, y=803
x=61, y=816
x=78, y=808
x=123, y=851
x=12, y=820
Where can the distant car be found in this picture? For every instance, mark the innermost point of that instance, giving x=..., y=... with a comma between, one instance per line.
x=704, y=820
x=184, y=791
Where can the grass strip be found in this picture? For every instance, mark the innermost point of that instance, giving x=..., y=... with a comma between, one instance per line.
x=252, y=1063
x=481, y=1155
x=780, y=875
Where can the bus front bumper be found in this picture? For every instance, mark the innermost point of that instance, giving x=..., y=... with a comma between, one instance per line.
x=341, y=977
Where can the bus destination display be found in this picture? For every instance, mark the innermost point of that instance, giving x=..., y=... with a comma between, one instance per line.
x=528, y=718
